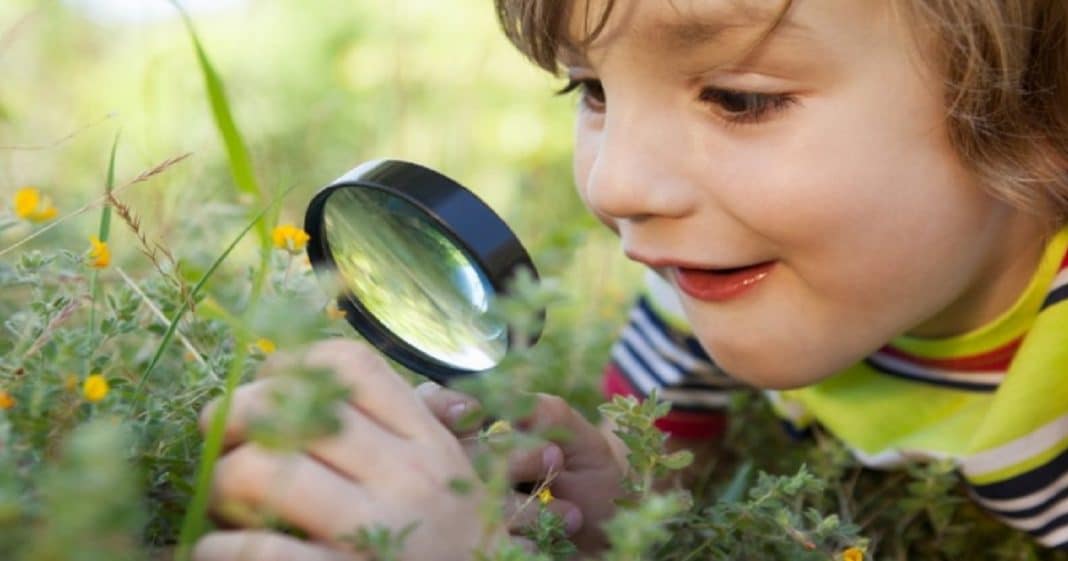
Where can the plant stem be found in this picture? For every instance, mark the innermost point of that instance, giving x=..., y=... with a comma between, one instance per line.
x=193, y=524
x=104, y=233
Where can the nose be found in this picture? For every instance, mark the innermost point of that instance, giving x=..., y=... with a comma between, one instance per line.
x=639, y=169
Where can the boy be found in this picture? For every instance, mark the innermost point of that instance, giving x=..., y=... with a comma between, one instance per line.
x=856, y=204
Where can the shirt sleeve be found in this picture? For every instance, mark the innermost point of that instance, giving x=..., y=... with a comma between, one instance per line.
x=656, y=350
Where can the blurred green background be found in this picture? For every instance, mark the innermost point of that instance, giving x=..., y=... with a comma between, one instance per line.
x=316, y=88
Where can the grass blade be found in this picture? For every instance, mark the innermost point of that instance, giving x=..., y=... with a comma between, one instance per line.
x=236, y=151
x=196, y=512
x=200, y=285
x=105, y=214
x=104, y=232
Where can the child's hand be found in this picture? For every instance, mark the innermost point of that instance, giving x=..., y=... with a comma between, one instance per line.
x=583, y=470
x=390, y=465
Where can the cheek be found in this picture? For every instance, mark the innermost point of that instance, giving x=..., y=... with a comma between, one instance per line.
x=865, y=187
x=875, y=237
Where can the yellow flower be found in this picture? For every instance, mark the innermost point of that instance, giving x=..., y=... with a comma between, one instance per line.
x=545, y=496
x=333, y=312
x=265, y=345
x=99, y=254
x=95, y=388
x=6, y=401
x=853, y=554
x=499, y=427
x=30, y=205
x=289, y=238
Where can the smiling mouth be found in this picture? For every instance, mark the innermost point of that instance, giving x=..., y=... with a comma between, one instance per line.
x=720, y=285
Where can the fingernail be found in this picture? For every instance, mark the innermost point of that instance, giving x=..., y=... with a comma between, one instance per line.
x=572, y=521
x=552, y=458
x=456, y=411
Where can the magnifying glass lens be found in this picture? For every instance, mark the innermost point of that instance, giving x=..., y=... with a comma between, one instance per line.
x=413, y=278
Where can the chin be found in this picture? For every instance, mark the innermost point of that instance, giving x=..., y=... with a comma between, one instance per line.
x=777, y=375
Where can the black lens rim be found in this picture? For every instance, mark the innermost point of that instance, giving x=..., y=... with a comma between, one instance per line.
x=464, y=218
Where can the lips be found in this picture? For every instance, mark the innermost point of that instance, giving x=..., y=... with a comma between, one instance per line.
x=720, y=285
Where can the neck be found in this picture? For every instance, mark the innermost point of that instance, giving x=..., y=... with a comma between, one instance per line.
x=1015, y=253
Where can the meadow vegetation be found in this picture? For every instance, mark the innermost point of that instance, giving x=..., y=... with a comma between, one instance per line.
x=153, y=178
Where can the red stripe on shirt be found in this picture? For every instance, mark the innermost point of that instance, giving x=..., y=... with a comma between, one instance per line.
x=997, y=359
x=683, y=424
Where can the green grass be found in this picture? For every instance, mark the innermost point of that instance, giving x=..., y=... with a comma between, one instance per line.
x=274, y=101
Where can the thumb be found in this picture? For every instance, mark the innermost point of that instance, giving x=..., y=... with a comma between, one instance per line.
x=583, y=444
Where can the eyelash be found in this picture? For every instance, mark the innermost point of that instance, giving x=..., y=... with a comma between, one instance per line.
x=766, y=105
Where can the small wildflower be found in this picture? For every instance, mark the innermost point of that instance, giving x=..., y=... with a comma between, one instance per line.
x=95, y=388
x=289, y=238
x=498, y=427
x=545, y=496
x=265, y=345
x=333, y=312
x=99, y=254
x=6, y=401
x=853, y=554
x=30, y=205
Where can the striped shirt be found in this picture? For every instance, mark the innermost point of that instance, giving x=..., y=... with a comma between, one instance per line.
x=994, y=399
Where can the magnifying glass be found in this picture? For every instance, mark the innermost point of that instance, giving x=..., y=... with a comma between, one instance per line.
x=420, y=262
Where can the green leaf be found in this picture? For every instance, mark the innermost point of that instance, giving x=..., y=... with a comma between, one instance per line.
x=739, y=483
x=677, y=460
x=236, y=151
x=461, y=486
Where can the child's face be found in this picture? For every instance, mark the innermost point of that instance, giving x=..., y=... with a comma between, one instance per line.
x=834, y=164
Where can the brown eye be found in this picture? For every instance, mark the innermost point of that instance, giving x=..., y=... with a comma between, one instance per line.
x=591, y=90
x=743, y=107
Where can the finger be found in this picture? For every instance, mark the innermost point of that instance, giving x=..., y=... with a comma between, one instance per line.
x=377, y=389
x=527, y=544
x=460, y=413
x=248, y=402
x=293, y=487
x=344, y=450
x=358, y=450
x=256, y=404
x=584, y=447
x=535, y=464
x=521, y=511
x=257, y=545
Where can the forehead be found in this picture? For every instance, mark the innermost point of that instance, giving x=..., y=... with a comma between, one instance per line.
x=784, y=38
x=674, y=26
x=677, y=30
